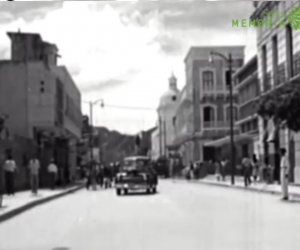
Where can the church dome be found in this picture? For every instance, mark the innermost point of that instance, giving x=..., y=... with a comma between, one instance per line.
x=169, y=97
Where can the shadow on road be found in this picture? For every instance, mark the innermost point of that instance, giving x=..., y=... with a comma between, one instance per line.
x=139, y=194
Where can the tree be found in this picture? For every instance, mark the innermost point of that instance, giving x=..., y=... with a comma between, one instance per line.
x=282, y=105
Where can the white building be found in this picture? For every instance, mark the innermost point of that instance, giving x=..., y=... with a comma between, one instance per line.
x=278, y=63
x=166, y=131
x=155, y=144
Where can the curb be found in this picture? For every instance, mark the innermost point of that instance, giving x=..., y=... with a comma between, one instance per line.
x=30, y=205
x=249, y=189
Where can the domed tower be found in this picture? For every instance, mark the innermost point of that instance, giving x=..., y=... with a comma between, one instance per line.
x=169, y=98
x=166, y=112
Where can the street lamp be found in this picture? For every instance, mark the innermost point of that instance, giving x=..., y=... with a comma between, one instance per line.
x=92, y=104
x=229, y=79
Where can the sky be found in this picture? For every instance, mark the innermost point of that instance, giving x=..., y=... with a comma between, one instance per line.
x=124, y=51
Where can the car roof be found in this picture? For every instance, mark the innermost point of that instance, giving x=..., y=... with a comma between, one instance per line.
x=133, y=158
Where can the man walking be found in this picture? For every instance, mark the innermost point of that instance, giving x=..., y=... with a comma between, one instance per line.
x=285, y=167
x=34, y=167
x=52, y=169
x=247, y=166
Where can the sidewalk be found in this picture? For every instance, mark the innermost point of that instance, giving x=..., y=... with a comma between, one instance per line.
x=25, y=200
x=294, y=190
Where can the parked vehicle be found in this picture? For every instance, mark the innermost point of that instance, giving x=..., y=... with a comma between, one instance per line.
x=136, y=174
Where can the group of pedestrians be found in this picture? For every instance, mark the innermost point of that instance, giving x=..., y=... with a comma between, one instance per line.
x=11, y=170
x=251, y=170
x=101, y=175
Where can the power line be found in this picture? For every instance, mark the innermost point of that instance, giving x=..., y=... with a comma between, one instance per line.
x=127, y=107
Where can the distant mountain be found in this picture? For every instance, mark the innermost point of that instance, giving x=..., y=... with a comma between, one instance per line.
x=115, y=146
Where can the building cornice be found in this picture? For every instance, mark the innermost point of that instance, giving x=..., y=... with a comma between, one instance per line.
x=249, y=63
x=247, y=80
x=256, y=14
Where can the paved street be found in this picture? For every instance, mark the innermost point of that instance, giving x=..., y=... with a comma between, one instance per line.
x=182, y=216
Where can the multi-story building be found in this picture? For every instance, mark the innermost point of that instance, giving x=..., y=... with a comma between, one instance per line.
x=210, y=96
x=247, y=86
x=278, y=62
x=41, y=100
x=184, y=125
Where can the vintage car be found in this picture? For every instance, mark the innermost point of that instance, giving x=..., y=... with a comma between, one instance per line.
x=136, y=174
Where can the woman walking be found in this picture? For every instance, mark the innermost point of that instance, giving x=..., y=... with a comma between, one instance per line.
x=10, y=168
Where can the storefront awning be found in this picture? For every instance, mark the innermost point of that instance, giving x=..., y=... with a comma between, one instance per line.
x=226, y=140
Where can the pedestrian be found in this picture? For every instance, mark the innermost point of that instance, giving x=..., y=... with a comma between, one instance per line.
x=247, y=167
x=191, y=170
x=88, y=178
x=10, y=168
x=223, y=165
x=285, y=167
x=217, y=166
x=255, y=167
x=52, y=169
x=34, y=167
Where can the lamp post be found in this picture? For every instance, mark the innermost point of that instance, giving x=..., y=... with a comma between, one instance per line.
x=229, y=79
x=92, y=104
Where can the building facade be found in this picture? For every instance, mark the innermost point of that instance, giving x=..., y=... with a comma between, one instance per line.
x=41, y=100
x=278, y=63
x=247, y=86
x=184, y=125
x=210, y=96
x=155, y=144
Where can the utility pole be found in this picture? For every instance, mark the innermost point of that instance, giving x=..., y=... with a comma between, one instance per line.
x=91, y=132
x=160, y=135
x=229, y=82
x=165, y=138
x=91, y=105
x=231, y=119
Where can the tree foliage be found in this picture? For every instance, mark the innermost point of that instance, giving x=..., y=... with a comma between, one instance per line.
x=282, y=105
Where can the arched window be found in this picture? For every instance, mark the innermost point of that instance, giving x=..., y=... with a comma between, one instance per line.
x=208, y=116
x=235, y=113
x=208, y=80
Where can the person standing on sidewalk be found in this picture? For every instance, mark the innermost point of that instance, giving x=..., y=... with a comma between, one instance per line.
x=88, y=178
x=52, y=169
x=10, y=168
x=247, y=167
x=223, y=165
x=218, y=170
x=255, y=167
x=34, y=167
x=285, y=167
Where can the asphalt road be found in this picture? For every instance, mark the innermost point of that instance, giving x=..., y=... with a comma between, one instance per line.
x=182, y=216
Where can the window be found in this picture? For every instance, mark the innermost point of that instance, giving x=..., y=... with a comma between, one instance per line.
x=275, y=59
x=208, y=116
x=42, y=89
x=289, y=50
x=235, y=113
x=208, y=80
x=264, y=65
x=229, y=79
